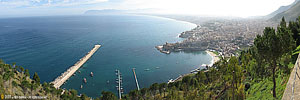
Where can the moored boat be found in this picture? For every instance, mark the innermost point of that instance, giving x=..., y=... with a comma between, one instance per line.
x=84, y=80
x=92, y=74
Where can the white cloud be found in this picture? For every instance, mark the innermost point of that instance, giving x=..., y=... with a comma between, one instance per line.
x=38, y=1
x=14, y=3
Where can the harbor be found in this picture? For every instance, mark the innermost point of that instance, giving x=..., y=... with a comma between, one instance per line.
x=60, y=80
x=215, y=58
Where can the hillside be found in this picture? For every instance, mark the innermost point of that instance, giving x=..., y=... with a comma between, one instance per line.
x=291, y=14
x=281, y=9
x=15, y=83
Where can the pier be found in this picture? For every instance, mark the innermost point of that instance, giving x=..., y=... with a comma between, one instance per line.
x=119, y=82
x=136, y=81
x=68, y=73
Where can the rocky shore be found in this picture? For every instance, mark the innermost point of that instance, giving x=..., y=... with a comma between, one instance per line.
x=167, y=48
x=162, y=50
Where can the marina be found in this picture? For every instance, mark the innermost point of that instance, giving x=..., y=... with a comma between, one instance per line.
x=59, y=81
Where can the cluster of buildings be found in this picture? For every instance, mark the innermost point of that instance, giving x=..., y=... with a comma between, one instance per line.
x=225, y=36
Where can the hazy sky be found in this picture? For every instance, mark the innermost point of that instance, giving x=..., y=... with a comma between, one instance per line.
x=239, y=8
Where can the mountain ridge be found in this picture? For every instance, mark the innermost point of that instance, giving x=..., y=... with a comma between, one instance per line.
x=290, y=14
x=281, y=9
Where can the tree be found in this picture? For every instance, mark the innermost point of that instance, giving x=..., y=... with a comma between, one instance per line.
x=27, y=72
x=286, y=39
x=154, y=88
x=84, y=97
x=108, y=96
x=143, y=92
x=234, y=67
x=201, y=77
x=272, y=45
x=295, y=29
x=134, y=94
x=162, y=87
x=234, y=75
x=1, y=61
x=22, y=69
x=36, y=78
x=269, y=47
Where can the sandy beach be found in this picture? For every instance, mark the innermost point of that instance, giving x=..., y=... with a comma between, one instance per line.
x=214, y=56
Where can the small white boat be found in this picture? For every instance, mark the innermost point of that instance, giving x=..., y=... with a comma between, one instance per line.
x=84, y=80
x=170, y=81
x=92, y=74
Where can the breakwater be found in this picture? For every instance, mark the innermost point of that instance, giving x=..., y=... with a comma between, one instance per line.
x=60, y=80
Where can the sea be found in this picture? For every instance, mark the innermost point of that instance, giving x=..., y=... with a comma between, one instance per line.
x=49, y=45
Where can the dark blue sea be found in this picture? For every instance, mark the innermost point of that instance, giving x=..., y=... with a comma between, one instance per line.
x=50, y=45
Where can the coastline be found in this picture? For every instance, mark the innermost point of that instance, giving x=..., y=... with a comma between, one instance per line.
x=215, y=57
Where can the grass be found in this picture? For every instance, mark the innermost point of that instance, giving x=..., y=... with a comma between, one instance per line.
x=262, y=90
x=216, y=52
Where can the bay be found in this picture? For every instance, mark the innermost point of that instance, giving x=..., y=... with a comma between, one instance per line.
x=49, y=45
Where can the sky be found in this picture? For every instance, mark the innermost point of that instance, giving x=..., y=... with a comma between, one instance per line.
x=237, y=8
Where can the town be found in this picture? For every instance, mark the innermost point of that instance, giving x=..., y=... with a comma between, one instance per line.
x=223, y=35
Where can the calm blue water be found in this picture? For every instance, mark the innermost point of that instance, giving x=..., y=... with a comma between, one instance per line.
x=50, y=45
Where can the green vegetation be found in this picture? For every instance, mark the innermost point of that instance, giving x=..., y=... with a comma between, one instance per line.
x=271, y=46
x=16, y=81
x=259, y=72
x=260, y=90
x=216, y=52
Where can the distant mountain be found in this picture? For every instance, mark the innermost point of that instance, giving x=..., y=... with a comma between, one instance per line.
x=115, y=11
x=280, y=10
x=105, y=11
x=290, y=14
